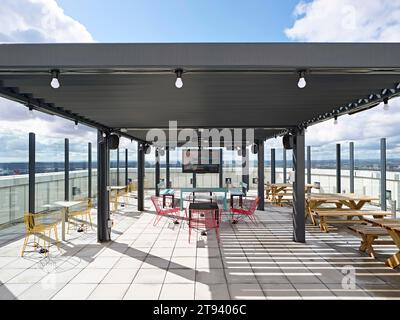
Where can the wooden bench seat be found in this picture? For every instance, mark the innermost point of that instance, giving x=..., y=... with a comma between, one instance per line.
x=369, y=237
x=325, y=216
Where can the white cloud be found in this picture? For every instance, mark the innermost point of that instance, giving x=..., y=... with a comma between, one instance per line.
x=346, y=21
x=39, y=21
x=350, y=21
x=36, y=21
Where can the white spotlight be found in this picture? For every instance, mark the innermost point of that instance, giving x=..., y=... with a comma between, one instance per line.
x=55, y=83
x=179, y=81
x=302, y=81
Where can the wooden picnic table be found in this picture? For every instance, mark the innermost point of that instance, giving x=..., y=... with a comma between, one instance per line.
x=280, y=190
x=393, y=228
x=350, y=200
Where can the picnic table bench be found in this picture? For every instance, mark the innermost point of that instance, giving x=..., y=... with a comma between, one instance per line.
x=393, y=228
x=326, y=216
x=369, y=237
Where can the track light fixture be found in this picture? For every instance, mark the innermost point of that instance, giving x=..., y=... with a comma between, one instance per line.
x=55, y=83
x=335, y=121
x=179, y=81
x=302, y=81
x=76, y=125
x=386, y=104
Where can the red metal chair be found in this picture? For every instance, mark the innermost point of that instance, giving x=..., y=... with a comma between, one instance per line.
x=161, y=212
x=249, y=207
x=204, y=219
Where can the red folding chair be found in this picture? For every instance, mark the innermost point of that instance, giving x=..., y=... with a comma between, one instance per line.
x=204, y=219
x=161, y=212
x=248, y=209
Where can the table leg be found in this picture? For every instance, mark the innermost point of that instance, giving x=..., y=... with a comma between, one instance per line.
x=241, y=201
x=181, y=204
x=225, y=202
x=173, y=201
x=63, y=218
x=231, y=201
x=394, y=260
x=163, y=201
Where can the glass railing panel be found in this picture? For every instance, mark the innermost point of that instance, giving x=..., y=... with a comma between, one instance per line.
x=50, y=184
x=13, y=177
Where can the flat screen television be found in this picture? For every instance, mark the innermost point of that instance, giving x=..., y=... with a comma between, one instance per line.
x=205, y=161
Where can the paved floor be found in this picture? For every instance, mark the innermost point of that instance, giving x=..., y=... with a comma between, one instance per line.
x=157, y=262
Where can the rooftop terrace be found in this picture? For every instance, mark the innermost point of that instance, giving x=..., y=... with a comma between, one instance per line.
x=157, y=262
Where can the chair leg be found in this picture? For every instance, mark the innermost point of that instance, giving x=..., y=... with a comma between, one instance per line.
x=25, y=244
x=56, y=236
x=90, y=220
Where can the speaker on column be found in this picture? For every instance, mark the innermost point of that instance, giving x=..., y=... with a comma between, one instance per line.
x=288, y=141
x=113, y=141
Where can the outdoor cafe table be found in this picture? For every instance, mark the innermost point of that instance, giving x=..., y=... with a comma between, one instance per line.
x=116, y=189
x=66, y=205
x=204, y=190
x=393, y=228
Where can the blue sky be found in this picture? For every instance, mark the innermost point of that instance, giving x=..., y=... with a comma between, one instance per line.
x=183, y=20
x=201, y=21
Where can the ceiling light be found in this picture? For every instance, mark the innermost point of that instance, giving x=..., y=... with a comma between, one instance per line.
x=76, y=125
x=179, y=81
x=335, y=122
x=386, y=104
x=31, y=114
x=302, y=81
x=55, y=83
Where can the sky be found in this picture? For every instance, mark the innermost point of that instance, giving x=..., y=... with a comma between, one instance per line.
x=200, y=21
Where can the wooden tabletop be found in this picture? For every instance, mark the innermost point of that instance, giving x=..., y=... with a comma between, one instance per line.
x=339, y=197
x=386, y=223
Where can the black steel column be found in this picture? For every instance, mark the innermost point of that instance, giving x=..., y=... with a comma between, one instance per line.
x=32, y=171
x=383, y=174
x=140, y=184
x=221, y=174
x=273, y=166
x=89, y=170
x=167, y=172
x=66, y=170
x=194, y=180
x=118, y=167
x=298, y=189
x=284, y=166
x=103, y=201
x=245, y=165
x=126, y=168
x=157, y=172
x=351, y=152
x=260, y=173
x=308, y=164
x=338, y=169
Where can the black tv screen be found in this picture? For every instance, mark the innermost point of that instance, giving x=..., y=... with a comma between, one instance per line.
x=205, y=161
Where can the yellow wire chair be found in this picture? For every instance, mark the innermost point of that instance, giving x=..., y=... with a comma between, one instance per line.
x=85, y=214
x=41, y=224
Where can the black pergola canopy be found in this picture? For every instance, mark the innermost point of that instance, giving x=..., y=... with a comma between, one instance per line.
x=131, y=86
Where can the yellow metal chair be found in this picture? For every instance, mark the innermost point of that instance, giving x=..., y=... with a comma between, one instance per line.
x=85, y=214
x=37, y=224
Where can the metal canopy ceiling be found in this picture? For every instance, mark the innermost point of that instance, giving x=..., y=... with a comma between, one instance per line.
x=225, y=85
